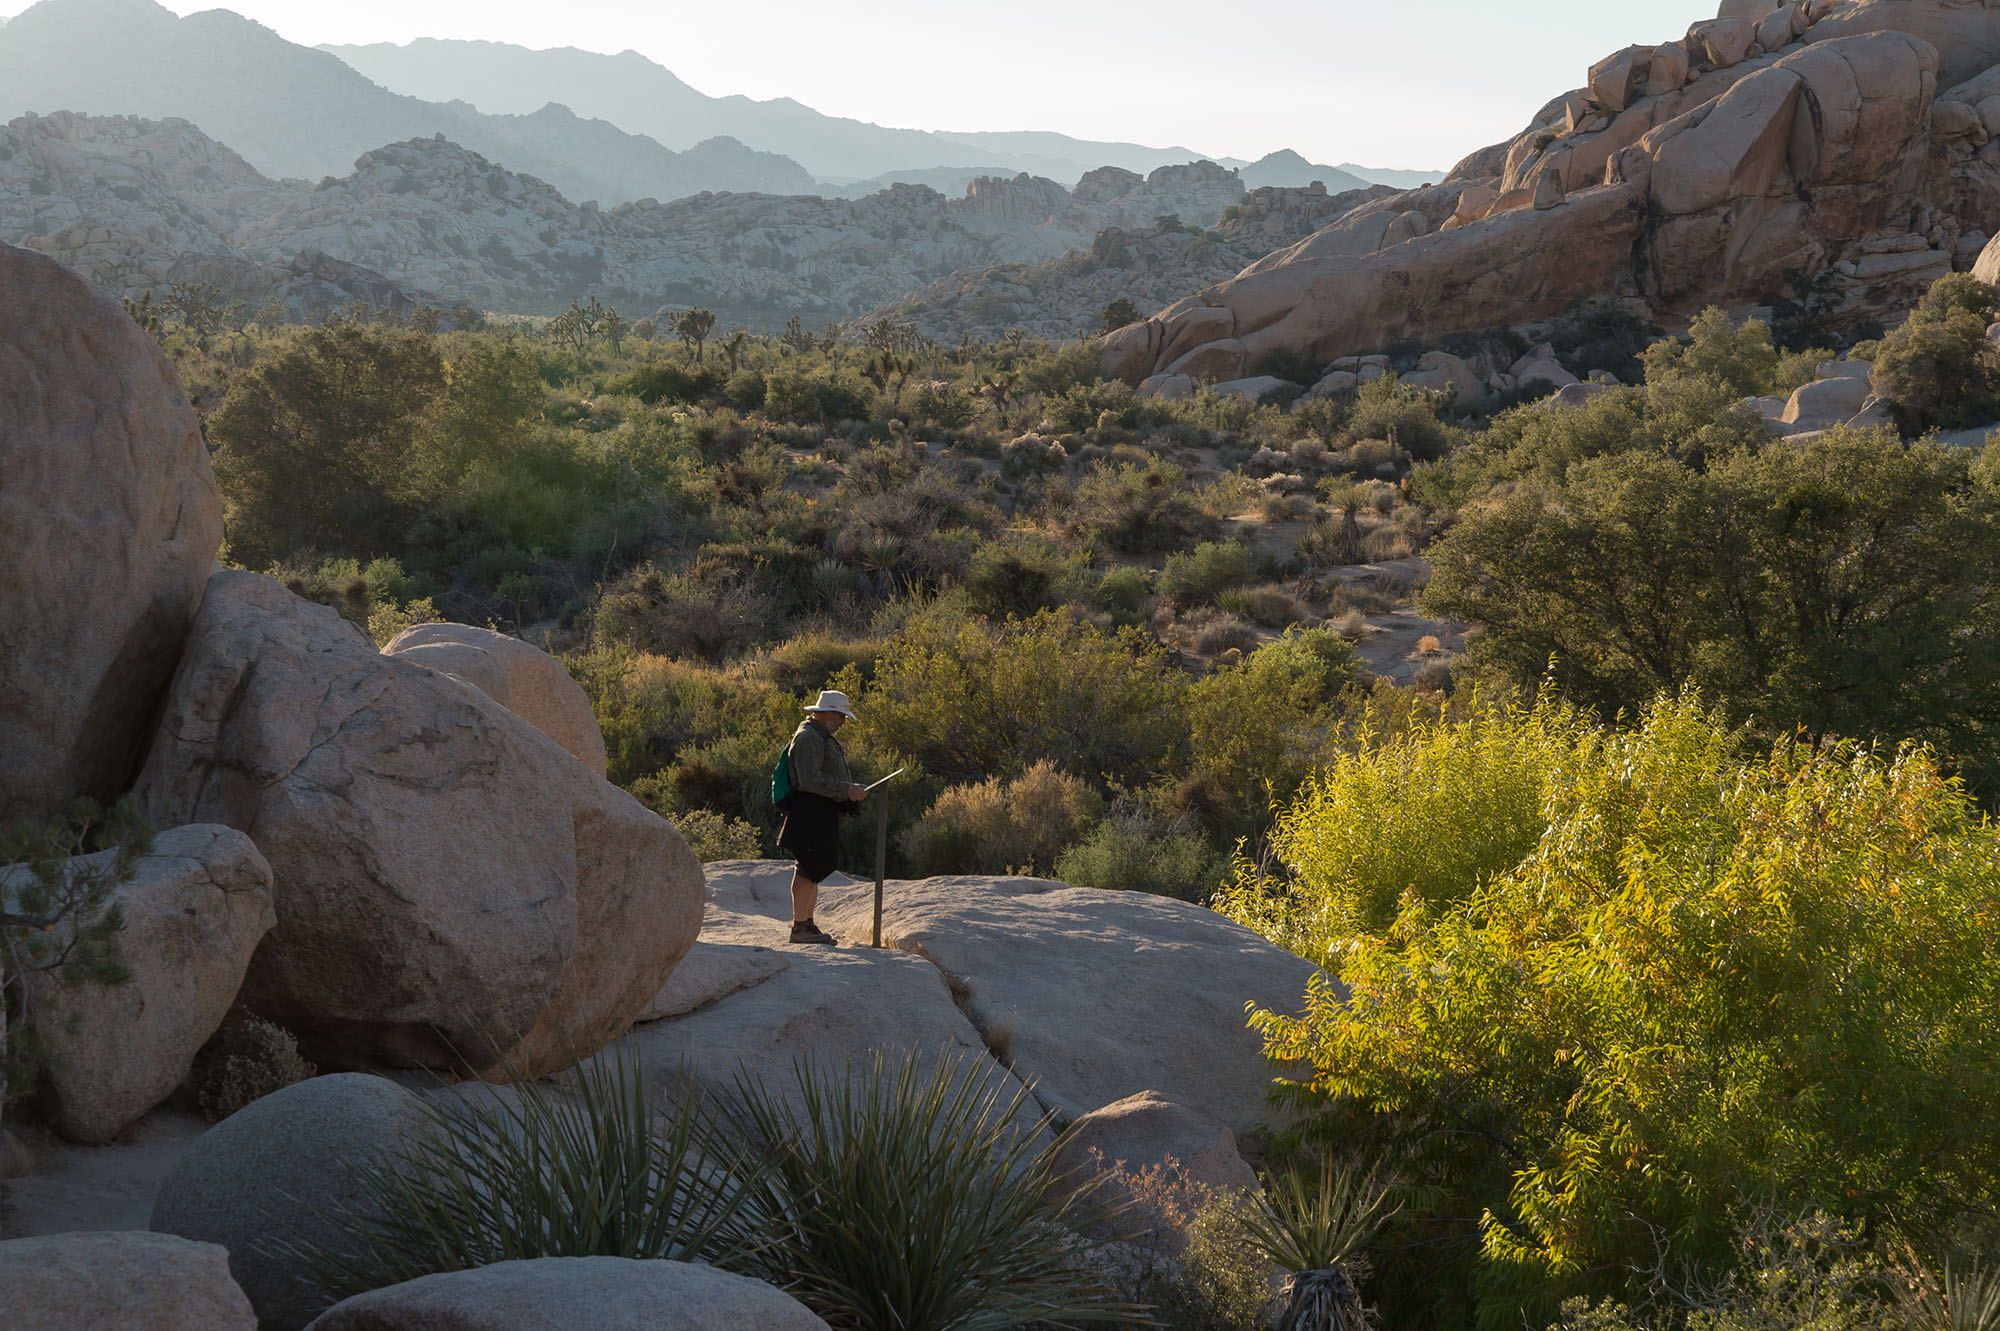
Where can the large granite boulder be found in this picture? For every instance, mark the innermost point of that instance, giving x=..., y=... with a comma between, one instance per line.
x=1695, y=173
x=563, y=1293
x=275, y=1170
x=452, y=888
x=1094, y=996
x=195, y=909
x=120, y=1281
x=110, y=520
x=524, y=679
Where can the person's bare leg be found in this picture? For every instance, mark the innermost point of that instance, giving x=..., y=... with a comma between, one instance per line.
x=805, y=897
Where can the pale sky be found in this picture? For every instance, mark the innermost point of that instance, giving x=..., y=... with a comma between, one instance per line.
x=1406, y=83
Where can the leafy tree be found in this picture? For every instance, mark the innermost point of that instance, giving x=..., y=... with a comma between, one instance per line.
x=693, y=327
x=1840, y=585
x=1708, y=980
x=1717, y=349
x=314, y=445
x=1940, y=370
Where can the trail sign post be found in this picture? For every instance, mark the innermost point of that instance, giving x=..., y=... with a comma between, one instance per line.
x=881, y=846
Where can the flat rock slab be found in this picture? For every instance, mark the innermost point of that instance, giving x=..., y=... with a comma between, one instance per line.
x=750, y=901
x=1093, y=996
x=712, y=971
x=829, y=1007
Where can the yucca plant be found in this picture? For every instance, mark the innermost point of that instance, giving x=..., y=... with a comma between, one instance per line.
x=1965, y=1299
x=901, y=1197
x=585, y=1168
x=1315, y=1228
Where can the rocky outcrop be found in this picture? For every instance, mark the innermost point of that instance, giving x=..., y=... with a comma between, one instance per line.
x=524, y=679
x=1151, y=266
x=195, y=909
x=277, y=1171
x=1693, y=173
x=110, y=520
x=552, y=1294
x=452, y=888
x=121, y=1281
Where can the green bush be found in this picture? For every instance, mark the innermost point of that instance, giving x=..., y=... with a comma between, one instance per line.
x=1704, y=981
x=1199, y=576
x=1130, y=852
x=243, y=1063
x=1022, y=574
x=1138, y=509
x=1409, y=419
x=1940, y=370
x=714, y=836
x=1718, y=349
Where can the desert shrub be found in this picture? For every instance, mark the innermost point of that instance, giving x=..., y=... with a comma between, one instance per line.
x=244, y=1062
x=1004, y=826
x=1083, y=406
x=1200, y=575
x=1409, y=419
x=60, y=918
x=714, y=836
x=1940, y=370
x=942, y=404
x=1227, y=495
x=746, y=390
x=1258, y=728
x=970, y=701
x=803, y=665
x=682, y=615
x=668, y=382
x=1596, y=335
x=896, y=1198
x=1652, y=1017
x=1138, y=509
x=578, y=1169
x=1125, y=592
x=1132, y=852
x=1023, y=573
x=1272, y=607
x=1215, y=633
x=652, y=710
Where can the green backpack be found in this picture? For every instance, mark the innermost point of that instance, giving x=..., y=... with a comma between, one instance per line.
x=781, y=780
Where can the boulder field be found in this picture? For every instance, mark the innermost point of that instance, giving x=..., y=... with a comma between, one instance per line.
x=1855, y=136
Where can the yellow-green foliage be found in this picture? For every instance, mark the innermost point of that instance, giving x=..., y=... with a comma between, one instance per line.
x=1711, y=977
x=1423, y=816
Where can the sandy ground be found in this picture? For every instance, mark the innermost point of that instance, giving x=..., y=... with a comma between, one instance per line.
x=96, y=1187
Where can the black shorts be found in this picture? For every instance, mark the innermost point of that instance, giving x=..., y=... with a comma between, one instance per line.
x=811, y=832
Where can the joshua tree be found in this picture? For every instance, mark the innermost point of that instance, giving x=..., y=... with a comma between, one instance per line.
x=732, y=347
x=693, y=328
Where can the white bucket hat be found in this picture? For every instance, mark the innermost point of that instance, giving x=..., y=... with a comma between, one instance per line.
x=832, y=700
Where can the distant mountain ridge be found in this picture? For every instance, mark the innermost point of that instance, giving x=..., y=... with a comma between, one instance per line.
x=644, y=97
x=295, y=112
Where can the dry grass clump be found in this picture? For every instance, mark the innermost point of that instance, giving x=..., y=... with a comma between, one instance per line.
x=1000, y=826
x=1270, y=606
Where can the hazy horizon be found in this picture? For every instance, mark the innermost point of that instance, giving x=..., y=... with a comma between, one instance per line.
x=1423, y=84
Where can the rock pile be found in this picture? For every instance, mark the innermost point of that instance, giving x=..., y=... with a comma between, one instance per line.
x=1810, y=137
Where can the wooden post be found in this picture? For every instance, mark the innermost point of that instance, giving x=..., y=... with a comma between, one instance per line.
x=881, y=856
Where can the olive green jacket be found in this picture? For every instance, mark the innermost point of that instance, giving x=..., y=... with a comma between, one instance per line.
x=819, y=764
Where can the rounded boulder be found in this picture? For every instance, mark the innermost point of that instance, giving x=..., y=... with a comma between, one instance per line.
x=524, y=679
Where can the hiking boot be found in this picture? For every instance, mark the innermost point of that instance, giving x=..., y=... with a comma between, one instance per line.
x=805, y=931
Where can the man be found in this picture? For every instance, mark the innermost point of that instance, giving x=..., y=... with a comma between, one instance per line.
x=821, y=788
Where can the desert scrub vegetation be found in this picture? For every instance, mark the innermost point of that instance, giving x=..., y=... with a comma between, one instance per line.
x=1715, y=976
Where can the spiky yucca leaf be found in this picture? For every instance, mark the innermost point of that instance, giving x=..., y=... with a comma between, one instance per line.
x=906, y=1199
x=1317, y=1223
x=586, y=1169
